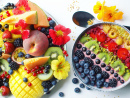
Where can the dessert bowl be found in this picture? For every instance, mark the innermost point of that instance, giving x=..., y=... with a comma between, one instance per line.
x=76, y=69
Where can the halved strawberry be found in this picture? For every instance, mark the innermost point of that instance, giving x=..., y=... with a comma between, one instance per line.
x=112, y=46
x=101, y=37
x=9, y=47
x=7, y=34
x=25, y=34
x=122, y=53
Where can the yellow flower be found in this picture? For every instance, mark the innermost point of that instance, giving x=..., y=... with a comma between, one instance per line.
x=98, y=7
x=60, y=68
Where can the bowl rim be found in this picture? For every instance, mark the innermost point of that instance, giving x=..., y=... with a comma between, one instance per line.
x=75, y=70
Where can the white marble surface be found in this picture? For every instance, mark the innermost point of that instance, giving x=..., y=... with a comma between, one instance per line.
x=59, y=10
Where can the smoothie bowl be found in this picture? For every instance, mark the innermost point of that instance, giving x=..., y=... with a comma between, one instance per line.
x=100, y=56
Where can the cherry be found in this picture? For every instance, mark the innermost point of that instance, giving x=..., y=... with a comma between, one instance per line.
x=42, y=67
x=33, y=70
x=34, y=74
x=38, y=72
x=25, y=68
x=28, y=71
x=48, y=36
x=37, y=67
x=41, y=71
x=39, y=28
x=122, y=53
x=8, y=76
x=64, y=52
x=66, y=55
x=49, y=18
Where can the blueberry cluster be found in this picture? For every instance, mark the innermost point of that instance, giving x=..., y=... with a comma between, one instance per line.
x=47, y=68
x=9, y=6
x=2, y=28
x=4, y=82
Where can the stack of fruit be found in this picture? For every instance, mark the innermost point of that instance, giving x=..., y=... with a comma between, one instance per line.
x=30, y=51
x=101, y=56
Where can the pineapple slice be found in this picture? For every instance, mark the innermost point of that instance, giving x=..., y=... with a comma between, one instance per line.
x=20, y=89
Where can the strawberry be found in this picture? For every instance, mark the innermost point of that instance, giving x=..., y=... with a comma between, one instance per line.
x=25, y=34
x=16, y=31
x=112, y=46
x=101, y=37
x=122, y=53
x=4, y=90
x=9, y=47
x=7, y=35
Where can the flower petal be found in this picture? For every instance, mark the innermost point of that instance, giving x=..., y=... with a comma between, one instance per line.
x=66, y=66
x=60, y=74
x=119, y=15
x=61, y=59
x=54, y=64
x=66, y=39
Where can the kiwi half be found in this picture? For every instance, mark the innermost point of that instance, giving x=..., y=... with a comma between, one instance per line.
x=53, y=52
x=105, y=57
x=4, y=65
x=126, y=75
x=85, y=39
x=93, y=46
x=119, y=67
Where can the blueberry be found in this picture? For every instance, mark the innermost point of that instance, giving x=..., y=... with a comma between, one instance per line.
x=92, y=83
x=25, y=79
x=20, y=54
x=88, y=52
x=6, y=84
x=80, y=70
x=6, y=26
x=46, y=71
x=22, y=63
x=0, y=10
x=75, y=80
x=2, y=30
x=51, y=28
x=88, y=88
x=77, y=65
x=48, y=67
x=99, y=83
x=76, y=59
x=28, y=56
x=93, y=78
x=81, y=63
x=43, y=30
x=32, y=27
x=61, y=94
x=112, y=71
x=79, y=46
x=97, y=61
x=52, y=23
x=93, y=56
x=54, y=82
x=9, y=59
x=8, y=4
x=84, y=49
x=77, y=90
x=11, y=4
x=46, y=89
x=86, y=65
x=122, y=81
x=103, y=65
x=103, y=80
x=86, y=71
x=82, y=85
x=98, y=76
x=10, y=72
x=5, y=79
x=106, y=84
x=118, y=78
x=92, y=73
x=115, y=75
x=108, y=68
x=82, y=75
x=87, y=80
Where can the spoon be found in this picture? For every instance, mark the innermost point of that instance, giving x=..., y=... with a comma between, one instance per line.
x=81, y=18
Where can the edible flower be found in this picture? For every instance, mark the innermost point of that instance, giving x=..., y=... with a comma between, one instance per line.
x=60, y=68
x=21, y=7
x=60, y=35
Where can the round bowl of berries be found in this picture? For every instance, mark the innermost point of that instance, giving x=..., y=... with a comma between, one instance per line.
x=100, y=56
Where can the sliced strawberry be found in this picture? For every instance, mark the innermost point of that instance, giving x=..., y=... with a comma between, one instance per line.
x=101, y=37
x=7, y=35
x=9, y=47
x=122, y=53
x=25, y=34
x=112, y=46
x=16, y=31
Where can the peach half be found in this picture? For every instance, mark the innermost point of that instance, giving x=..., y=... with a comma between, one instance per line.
x=36, y=44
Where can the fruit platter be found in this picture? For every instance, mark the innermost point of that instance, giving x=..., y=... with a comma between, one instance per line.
x=32, y=50
x=100, y=56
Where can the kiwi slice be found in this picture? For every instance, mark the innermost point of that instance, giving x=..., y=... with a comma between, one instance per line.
x=126, y=75
x=105, y=57
x=4, y=65
x=53, y=52
x=85, y=39
x=119, y=67
x=93, y=46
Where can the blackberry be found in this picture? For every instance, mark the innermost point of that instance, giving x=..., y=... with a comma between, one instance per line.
x=18, y=42
x=13, y=65
x=47, y=84
x=88, y=60
x=97, y=69
x=112, y=82
x=105, y=75
x=1, y=82
x=79, y=54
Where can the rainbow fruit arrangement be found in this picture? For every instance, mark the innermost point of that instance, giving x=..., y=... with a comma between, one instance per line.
x=101, y=56
x=32, y=51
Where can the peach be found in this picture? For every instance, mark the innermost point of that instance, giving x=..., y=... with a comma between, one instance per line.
x=36, y=44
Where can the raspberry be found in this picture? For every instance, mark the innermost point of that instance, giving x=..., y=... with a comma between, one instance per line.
x=105, y=75
x=79, y=54
x=13, y=65
x=18, y=42
x=112, y=82
x=88, y=60
x=25, y=34
x=97, y=69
